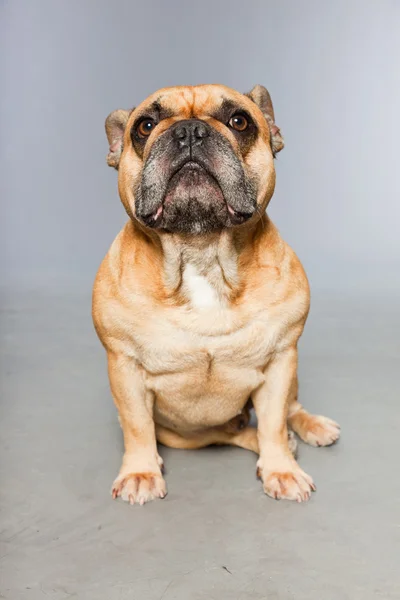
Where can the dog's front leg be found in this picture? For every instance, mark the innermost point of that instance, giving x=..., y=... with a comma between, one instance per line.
x=140, y=479
x=279, y=471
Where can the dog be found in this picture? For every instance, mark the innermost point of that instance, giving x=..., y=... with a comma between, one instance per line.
x=199, y=302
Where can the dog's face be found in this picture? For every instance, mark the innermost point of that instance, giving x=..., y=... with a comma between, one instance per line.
x=195, y=159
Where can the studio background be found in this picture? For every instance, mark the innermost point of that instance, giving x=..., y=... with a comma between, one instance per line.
x=332, y=69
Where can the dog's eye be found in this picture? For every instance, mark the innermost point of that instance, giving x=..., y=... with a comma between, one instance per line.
x=239, y=122
x=145, y=127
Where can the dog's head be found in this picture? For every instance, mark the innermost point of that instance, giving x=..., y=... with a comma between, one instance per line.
x=195, y=159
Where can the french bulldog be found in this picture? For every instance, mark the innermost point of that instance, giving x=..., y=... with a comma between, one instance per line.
x=199, y=302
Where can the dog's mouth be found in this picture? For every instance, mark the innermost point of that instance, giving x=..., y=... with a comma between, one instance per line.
x=189, y=179
x=192, y=182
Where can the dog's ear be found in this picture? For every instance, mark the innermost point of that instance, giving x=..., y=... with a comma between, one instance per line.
x=260, y=95
x=115, y=127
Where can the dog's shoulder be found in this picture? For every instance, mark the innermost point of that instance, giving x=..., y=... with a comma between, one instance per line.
x=120, y=284
x=275, y=274
x=108, y=277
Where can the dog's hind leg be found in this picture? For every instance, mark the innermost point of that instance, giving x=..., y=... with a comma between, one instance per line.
x=220, y=436
x=312, y=429
x=245, y=438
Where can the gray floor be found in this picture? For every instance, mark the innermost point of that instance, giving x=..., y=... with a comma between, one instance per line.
x=215, y=536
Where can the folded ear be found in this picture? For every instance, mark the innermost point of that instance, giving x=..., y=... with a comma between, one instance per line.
x=260, y=95
x=115, y=127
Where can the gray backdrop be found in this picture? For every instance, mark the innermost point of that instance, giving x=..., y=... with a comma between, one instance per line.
x=331, y=68
x=333, y=72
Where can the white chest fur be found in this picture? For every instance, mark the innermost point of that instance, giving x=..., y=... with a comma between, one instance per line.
x=199, y=291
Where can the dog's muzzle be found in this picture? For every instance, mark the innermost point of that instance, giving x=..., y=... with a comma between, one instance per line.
x=193, y=182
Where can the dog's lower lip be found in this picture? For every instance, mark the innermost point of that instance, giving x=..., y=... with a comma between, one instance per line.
x=191, y=164
x=153, y=217
x=237, y=215
x=158, y=212
x=155, y=214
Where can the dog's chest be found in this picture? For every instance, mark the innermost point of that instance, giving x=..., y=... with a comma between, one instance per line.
x=200, y=293
x=205, y=358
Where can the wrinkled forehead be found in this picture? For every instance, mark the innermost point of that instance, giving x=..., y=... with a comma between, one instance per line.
x=196, y=101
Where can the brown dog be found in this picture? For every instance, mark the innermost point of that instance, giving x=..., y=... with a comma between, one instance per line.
x=199, y=302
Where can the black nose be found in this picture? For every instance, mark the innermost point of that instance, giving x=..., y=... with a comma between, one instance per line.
x=190, y=132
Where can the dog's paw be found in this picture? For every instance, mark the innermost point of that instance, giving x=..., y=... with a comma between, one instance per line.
x=138, y=488
x=321, y=431
x=290, y=484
